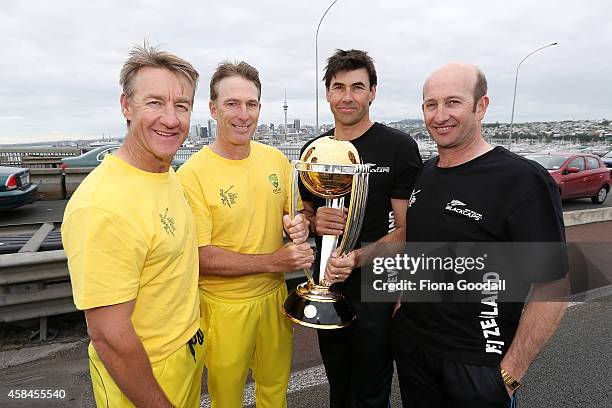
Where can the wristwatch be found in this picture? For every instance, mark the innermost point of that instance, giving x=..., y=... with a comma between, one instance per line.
x=510, y=381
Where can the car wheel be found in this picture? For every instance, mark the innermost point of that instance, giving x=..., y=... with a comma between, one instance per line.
x=600, y=197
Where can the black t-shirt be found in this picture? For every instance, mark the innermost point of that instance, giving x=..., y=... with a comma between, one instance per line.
x=496, y=197
x=398, y=162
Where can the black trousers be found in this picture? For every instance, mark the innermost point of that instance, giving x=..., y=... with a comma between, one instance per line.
x=427, y=381
x=358, y=359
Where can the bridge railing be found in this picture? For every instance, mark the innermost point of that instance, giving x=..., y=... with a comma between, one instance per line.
x=10, y=156
x=56, y=183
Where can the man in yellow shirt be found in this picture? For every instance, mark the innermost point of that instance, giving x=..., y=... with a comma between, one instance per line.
x=129, y=235
x=239, y=192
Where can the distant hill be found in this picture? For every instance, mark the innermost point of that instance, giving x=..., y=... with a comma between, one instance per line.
x=408, y=122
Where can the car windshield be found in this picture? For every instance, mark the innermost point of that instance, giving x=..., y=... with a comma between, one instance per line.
x=549, y=162
x=608, y=155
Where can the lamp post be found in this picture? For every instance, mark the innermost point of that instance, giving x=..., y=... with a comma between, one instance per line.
x=317, y=64
x=515, y=82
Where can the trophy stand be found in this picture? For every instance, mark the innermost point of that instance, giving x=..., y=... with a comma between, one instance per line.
x=316, y=304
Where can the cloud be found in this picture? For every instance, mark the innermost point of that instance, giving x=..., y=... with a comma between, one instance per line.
x=62, y=59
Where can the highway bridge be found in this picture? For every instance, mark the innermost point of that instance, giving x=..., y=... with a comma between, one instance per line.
x=574, y=369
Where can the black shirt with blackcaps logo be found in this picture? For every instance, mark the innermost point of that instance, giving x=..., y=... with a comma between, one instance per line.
x=496, y=197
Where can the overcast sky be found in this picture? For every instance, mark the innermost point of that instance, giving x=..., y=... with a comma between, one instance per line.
x=61, y=59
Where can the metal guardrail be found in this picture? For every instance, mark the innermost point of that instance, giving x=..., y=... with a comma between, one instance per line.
x=34, y=284
x=19, y=229
x=37, y=284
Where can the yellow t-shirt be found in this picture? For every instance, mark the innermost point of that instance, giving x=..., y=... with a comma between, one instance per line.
x=239, y=206
x=130, y=234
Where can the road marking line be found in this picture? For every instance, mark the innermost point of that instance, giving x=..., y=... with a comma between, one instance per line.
x=590, y=295
x=306, y=378
x=315, y=376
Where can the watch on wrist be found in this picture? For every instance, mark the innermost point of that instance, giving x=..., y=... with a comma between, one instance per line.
x=510, y=381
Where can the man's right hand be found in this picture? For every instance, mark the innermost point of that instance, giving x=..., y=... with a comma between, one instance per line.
x=292, y=257
x=330, y=221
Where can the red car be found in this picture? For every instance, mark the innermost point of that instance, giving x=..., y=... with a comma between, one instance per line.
x=577, y=174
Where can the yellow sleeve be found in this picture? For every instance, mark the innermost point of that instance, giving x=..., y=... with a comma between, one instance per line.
x=201, y=212
x=105, y=258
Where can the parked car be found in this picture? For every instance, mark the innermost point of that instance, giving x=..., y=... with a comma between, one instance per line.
x=89, y=159
x=577, y=174
x=16, y=189
x=607, y=159
x=95, y=156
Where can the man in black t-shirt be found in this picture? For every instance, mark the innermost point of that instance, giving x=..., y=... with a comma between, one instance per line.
x=358, y=359
x=474, y=354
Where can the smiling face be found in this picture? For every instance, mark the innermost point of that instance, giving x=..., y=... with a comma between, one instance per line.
x=349, y=96
x=236, y=111
x=158, y=112
x=449, y=112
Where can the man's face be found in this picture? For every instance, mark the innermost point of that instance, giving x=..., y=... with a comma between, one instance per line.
x=448, y=107
x=159, y=111
x=236, y=110
x=349, y=96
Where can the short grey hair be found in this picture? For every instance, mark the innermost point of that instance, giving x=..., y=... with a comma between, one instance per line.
x=151, y=56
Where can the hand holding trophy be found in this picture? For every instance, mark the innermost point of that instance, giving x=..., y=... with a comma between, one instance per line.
x=330, y=169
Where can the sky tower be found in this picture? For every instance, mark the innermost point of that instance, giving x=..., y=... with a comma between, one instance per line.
x=285, y=106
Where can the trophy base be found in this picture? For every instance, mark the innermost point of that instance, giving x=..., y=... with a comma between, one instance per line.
x=317, y=307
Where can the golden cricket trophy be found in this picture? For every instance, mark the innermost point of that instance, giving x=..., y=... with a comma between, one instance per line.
x=330, y=169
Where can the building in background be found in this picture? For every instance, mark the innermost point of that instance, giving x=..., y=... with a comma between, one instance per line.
x=285, y=106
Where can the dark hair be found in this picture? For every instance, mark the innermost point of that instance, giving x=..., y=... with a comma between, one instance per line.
x=480, y=89
x=228, y=69
x=349, y=60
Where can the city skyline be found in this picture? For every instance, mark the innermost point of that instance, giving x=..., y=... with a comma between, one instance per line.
x=61, y=79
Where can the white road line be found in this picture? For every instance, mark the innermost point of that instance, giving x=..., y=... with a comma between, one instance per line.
x=309, y=377
x=314, y=376
x=590, y=295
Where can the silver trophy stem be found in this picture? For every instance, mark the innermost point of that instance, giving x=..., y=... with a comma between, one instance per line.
x=329, y=242
x=293, y=205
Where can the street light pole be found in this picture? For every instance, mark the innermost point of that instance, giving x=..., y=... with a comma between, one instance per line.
x=515, y=82
x=317, y=64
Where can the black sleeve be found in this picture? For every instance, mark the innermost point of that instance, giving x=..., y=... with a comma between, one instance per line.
x=407, y=165
x=538, y=220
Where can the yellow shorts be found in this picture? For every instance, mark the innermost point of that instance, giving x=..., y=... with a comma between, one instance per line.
x=179, y=375
x=242, y=334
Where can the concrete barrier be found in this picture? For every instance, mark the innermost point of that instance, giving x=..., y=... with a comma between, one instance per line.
x=50, y=183
x=579, y=217
x=57, y=184
x=34, y=162
x=73, y=177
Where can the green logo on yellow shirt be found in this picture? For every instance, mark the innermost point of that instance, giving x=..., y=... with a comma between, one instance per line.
x=274, y=180
x=168, y=223
x=228, y=197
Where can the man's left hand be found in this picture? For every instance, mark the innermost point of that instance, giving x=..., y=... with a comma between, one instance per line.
x=296, y=228
x=339, y=268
